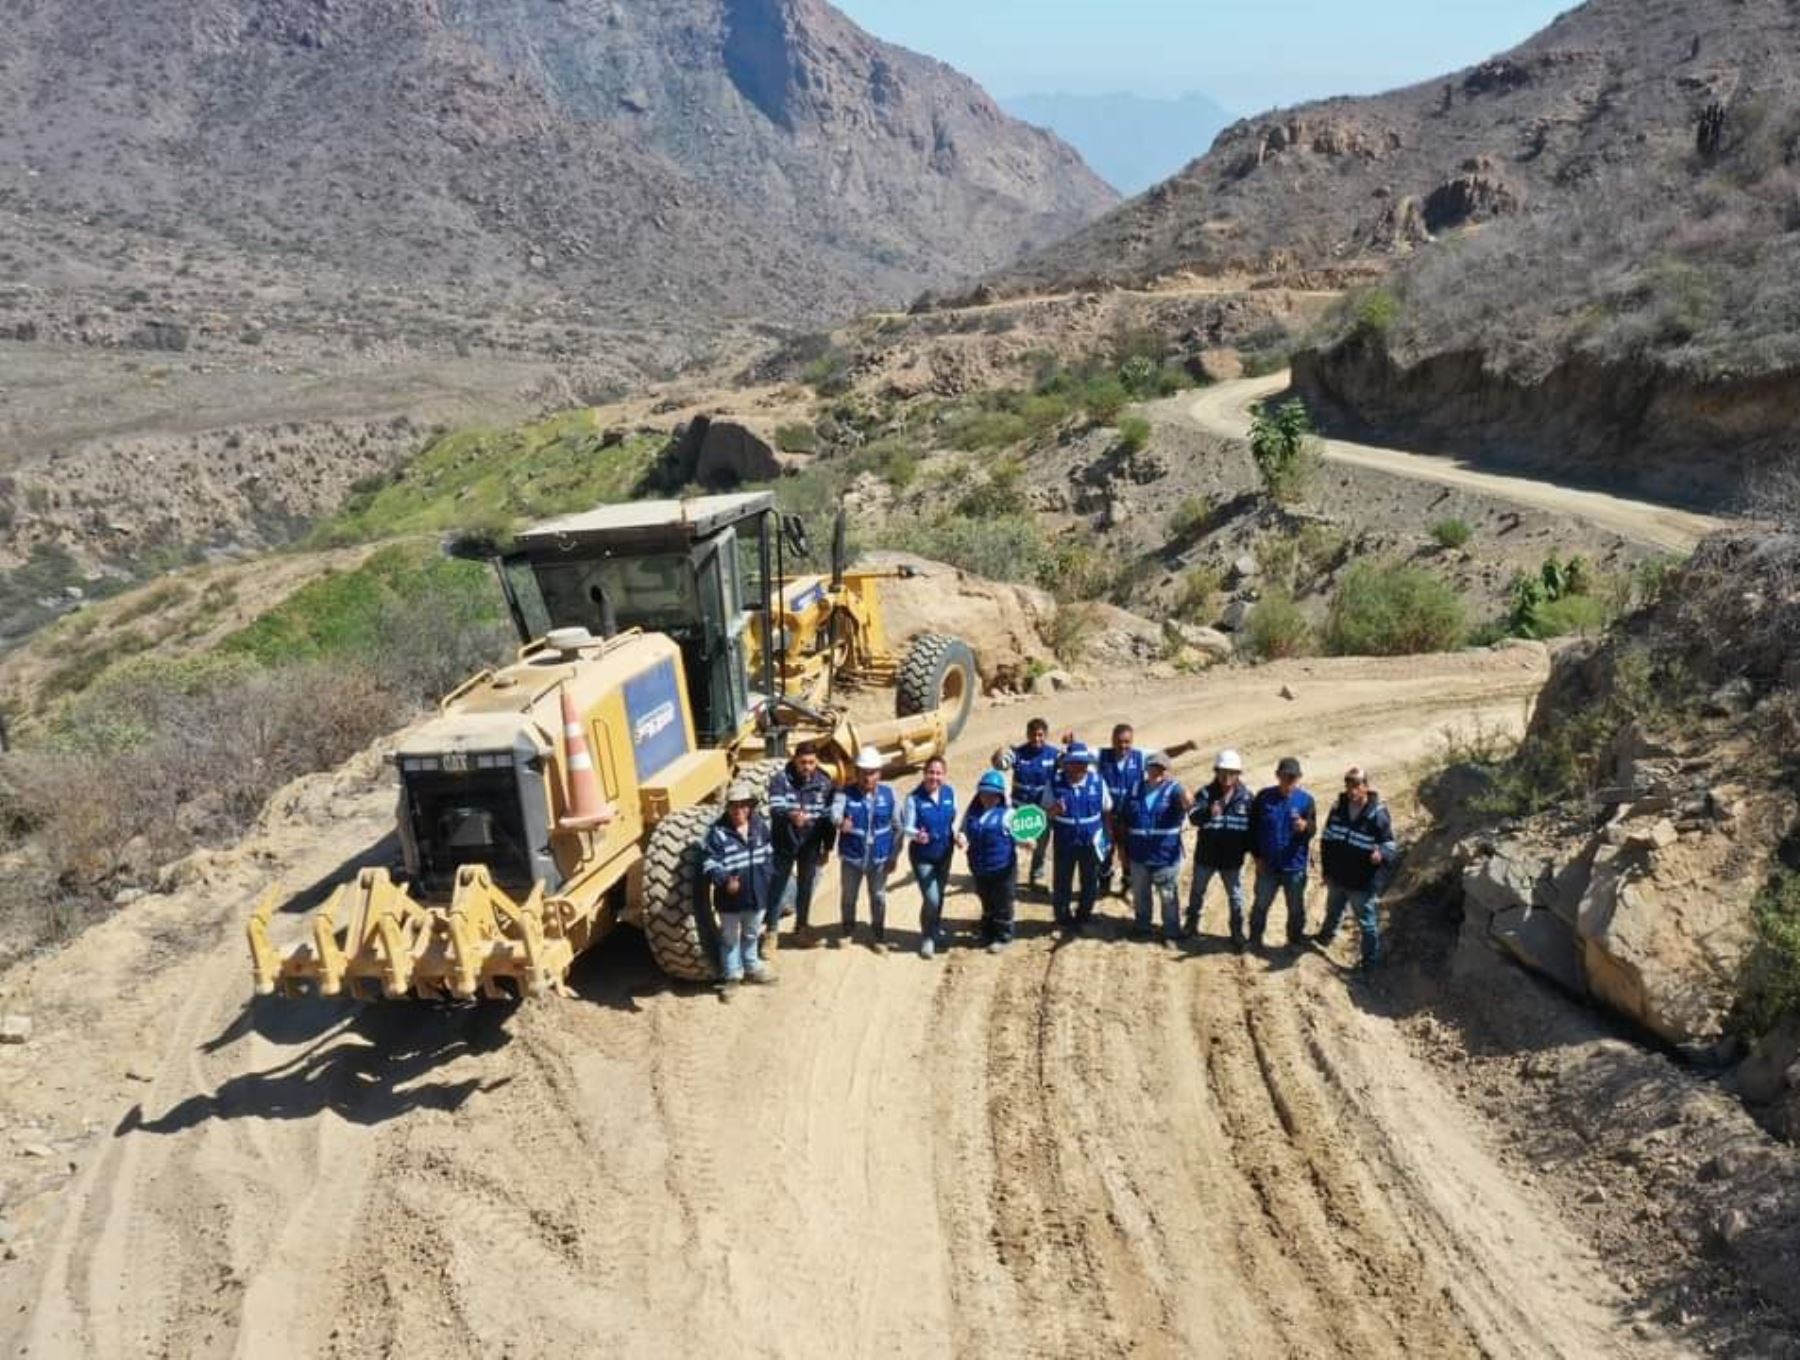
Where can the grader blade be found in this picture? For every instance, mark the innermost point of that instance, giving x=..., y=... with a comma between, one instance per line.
x=372, y=936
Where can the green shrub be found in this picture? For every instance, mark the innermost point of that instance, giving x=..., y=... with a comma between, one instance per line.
x=1571, y=616
x=1452, y=533
x=1191, y=517
x=829, y=374
x=1287, y=455
x=1072, y=629
x=1391, y=609
x=796, y=438
x=1277, y=628
x=1375, y=311
x=1278, y=559
x=1134, y=434
x=1001, y=548
x=1076, y=571
x=1769, y=990
x=1105, y=400
x=1320, y=547
x=998, y=495
x=1197, y=595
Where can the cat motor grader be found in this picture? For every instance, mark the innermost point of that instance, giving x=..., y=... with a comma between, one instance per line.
x=665, y=651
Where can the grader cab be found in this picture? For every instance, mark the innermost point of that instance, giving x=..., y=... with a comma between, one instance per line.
x=665, y=651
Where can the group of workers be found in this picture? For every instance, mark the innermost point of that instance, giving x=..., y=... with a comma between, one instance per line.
x=1119, y=815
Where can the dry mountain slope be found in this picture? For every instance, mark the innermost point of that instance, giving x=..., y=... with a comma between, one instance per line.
x=714, y=157
x=1611, y=88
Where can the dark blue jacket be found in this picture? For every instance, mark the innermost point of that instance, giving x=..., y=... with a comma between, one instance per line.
x=1083, y=819
x=1121, y=777
x=1277, y=844
x=1032, y=772
x=1152, y=821
x=1350, y=839
x=875, y=826
x=937, y=817
x=789, y=793
x=750, y=858
x=1224, y=841
x=991, y=846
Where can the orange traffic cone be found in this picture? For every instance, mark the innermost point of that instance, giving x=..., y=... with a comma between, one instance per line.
x=588, y=807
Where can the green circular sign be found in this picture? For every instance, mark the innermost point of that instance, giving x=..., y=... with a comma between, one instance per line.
x=1028, y=823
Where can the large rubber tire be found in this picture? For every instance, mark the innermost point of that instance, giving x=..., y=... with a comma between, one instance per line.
x=938, y=673
x=679, y=921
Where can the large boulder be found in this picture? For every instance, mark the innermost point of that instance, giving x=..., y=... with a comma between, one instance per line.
x=717, y=454
x=1006, y=625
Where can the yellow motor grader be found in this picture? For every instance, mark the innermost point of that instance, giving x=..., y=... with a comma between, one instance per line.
x=666, y=650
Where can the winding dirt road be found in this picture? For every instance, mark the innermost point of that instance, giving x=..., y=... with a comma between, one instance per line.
x=1224, y=410
x=1093, y=1149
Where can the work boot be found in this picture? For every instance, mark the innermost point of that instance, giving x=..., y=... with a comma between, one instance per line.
x=996, y=946
x=770, y=941
x=927, y=948
x=1237, y=944
x=762, y=975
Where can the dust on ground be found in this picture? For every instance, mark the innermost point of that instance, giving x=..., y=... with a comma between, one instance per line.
x=1081, y=1149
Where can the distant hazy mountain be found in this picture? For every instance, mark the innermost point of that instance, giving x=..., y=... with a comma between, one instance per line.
x=1132, y=142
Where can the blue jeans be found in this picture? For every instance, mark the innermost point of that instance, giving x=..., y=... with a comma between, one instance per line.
x=1292, y=886
x=1084, y=858
x=794, y=880
x=1148, y=884
x=1366, y=903
x=1233, y=879
x=1039, y=849
x=932, y=879
x=854, y=876
x=737, y=944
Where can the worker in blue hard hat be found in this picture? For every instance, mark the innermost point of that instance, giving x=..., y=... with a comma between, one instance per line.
x=993, y=859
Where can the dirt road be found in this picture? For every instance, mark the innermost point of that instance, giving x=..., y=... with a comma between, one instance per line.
x=1225, y=410
x=1090, y=1149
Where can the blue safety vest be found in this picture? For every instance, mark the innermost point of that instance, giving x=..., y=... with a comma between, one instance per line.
x=1153, y=820
x=991, y=846
x=1122, y=777
x=749, y=858
x=870, y=840
x=1032, y=771
x=1082, y=822
x=937, y=817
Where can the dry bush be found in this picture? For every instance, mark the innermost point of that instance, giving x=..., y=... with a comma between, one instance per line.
x=162, y=760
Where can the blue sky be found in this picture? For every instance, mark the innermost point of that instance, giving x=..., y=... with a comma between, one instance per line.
x=1249, y=57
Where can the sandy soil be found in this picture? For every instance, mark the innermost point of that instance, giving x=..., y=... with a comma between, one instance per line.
x=1224, y=410
x=1089, y=1149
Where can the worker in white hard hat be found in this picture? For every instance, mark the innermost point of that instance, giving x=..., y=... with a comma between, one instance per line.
x=740, y=864
x=1222, y=812
x=867, y=815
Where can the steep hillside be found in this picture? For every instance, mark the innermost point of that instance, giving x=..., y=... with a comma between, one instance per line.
x=710, y=158
x=1611, y=90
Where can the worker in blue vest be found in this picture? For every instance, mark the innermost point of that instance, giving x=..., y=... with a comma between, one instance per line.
x=868, y=821
x=1222, y=812
x=1152, y=820
x=1121, y=769
x=1283, y=820
x=800, y=799
x=1033, y=763
x=1358, y=853
x=993, y=859
x=1079, y=808
x=739, y=861
x=928, y=830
